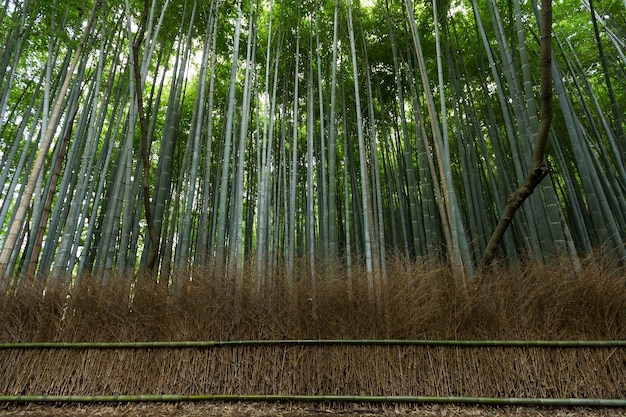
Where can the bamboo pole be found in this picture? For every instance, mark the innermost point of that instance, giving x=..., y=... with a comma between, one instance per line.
x=320, y=342
x=555, y=402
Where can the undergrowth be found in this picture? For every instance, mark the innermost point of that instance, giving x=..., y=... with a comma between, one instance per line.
x=413, y=302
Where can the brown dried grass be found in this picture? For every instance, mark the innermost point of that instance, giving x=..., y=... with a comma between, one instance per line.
x=524, y=302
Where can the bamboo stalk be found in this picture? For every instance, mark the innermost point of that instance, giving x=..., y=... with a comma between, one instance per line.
x=559, y=402
x=319, y=342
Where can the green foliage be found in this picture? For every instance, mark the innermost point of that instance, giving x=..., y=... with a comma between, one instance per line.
x=488, y=115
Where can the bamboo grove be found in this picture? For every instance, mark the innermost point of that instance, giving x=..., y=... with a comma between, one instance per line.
x=161, y=134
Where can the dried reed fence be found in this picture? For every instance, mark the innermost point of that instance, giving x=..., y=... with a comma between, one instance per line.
x=320, y=370
x=528, y=302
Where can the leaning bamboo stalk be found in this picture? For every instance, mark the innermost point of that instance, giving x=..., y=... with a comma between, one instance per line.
x=539, y=167
x=560, y=402
x=319, y=342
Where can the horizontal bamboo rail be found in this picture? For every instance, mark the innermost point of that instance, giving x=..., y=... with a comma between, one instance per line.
x=556, y=402
x=319, y=342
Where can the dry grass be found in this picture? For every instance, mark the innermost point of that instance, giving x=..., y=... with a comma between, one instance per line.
x=526, y=302
x=295, y=410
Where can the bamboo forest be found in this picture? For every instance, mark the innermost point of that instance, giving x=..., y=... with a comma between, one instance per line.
x=154, y=136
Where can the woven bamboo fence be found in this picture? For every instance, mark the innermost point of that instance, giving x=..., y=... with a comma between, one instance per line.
x=178, y=362
x=380, y=370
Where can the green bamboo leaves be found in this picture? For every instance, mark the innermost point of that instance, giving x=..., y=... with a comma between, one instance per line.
x=271, y=132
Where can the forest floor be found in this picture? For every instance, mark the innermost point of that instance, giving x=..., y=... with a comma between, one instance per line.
x=297, y=410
